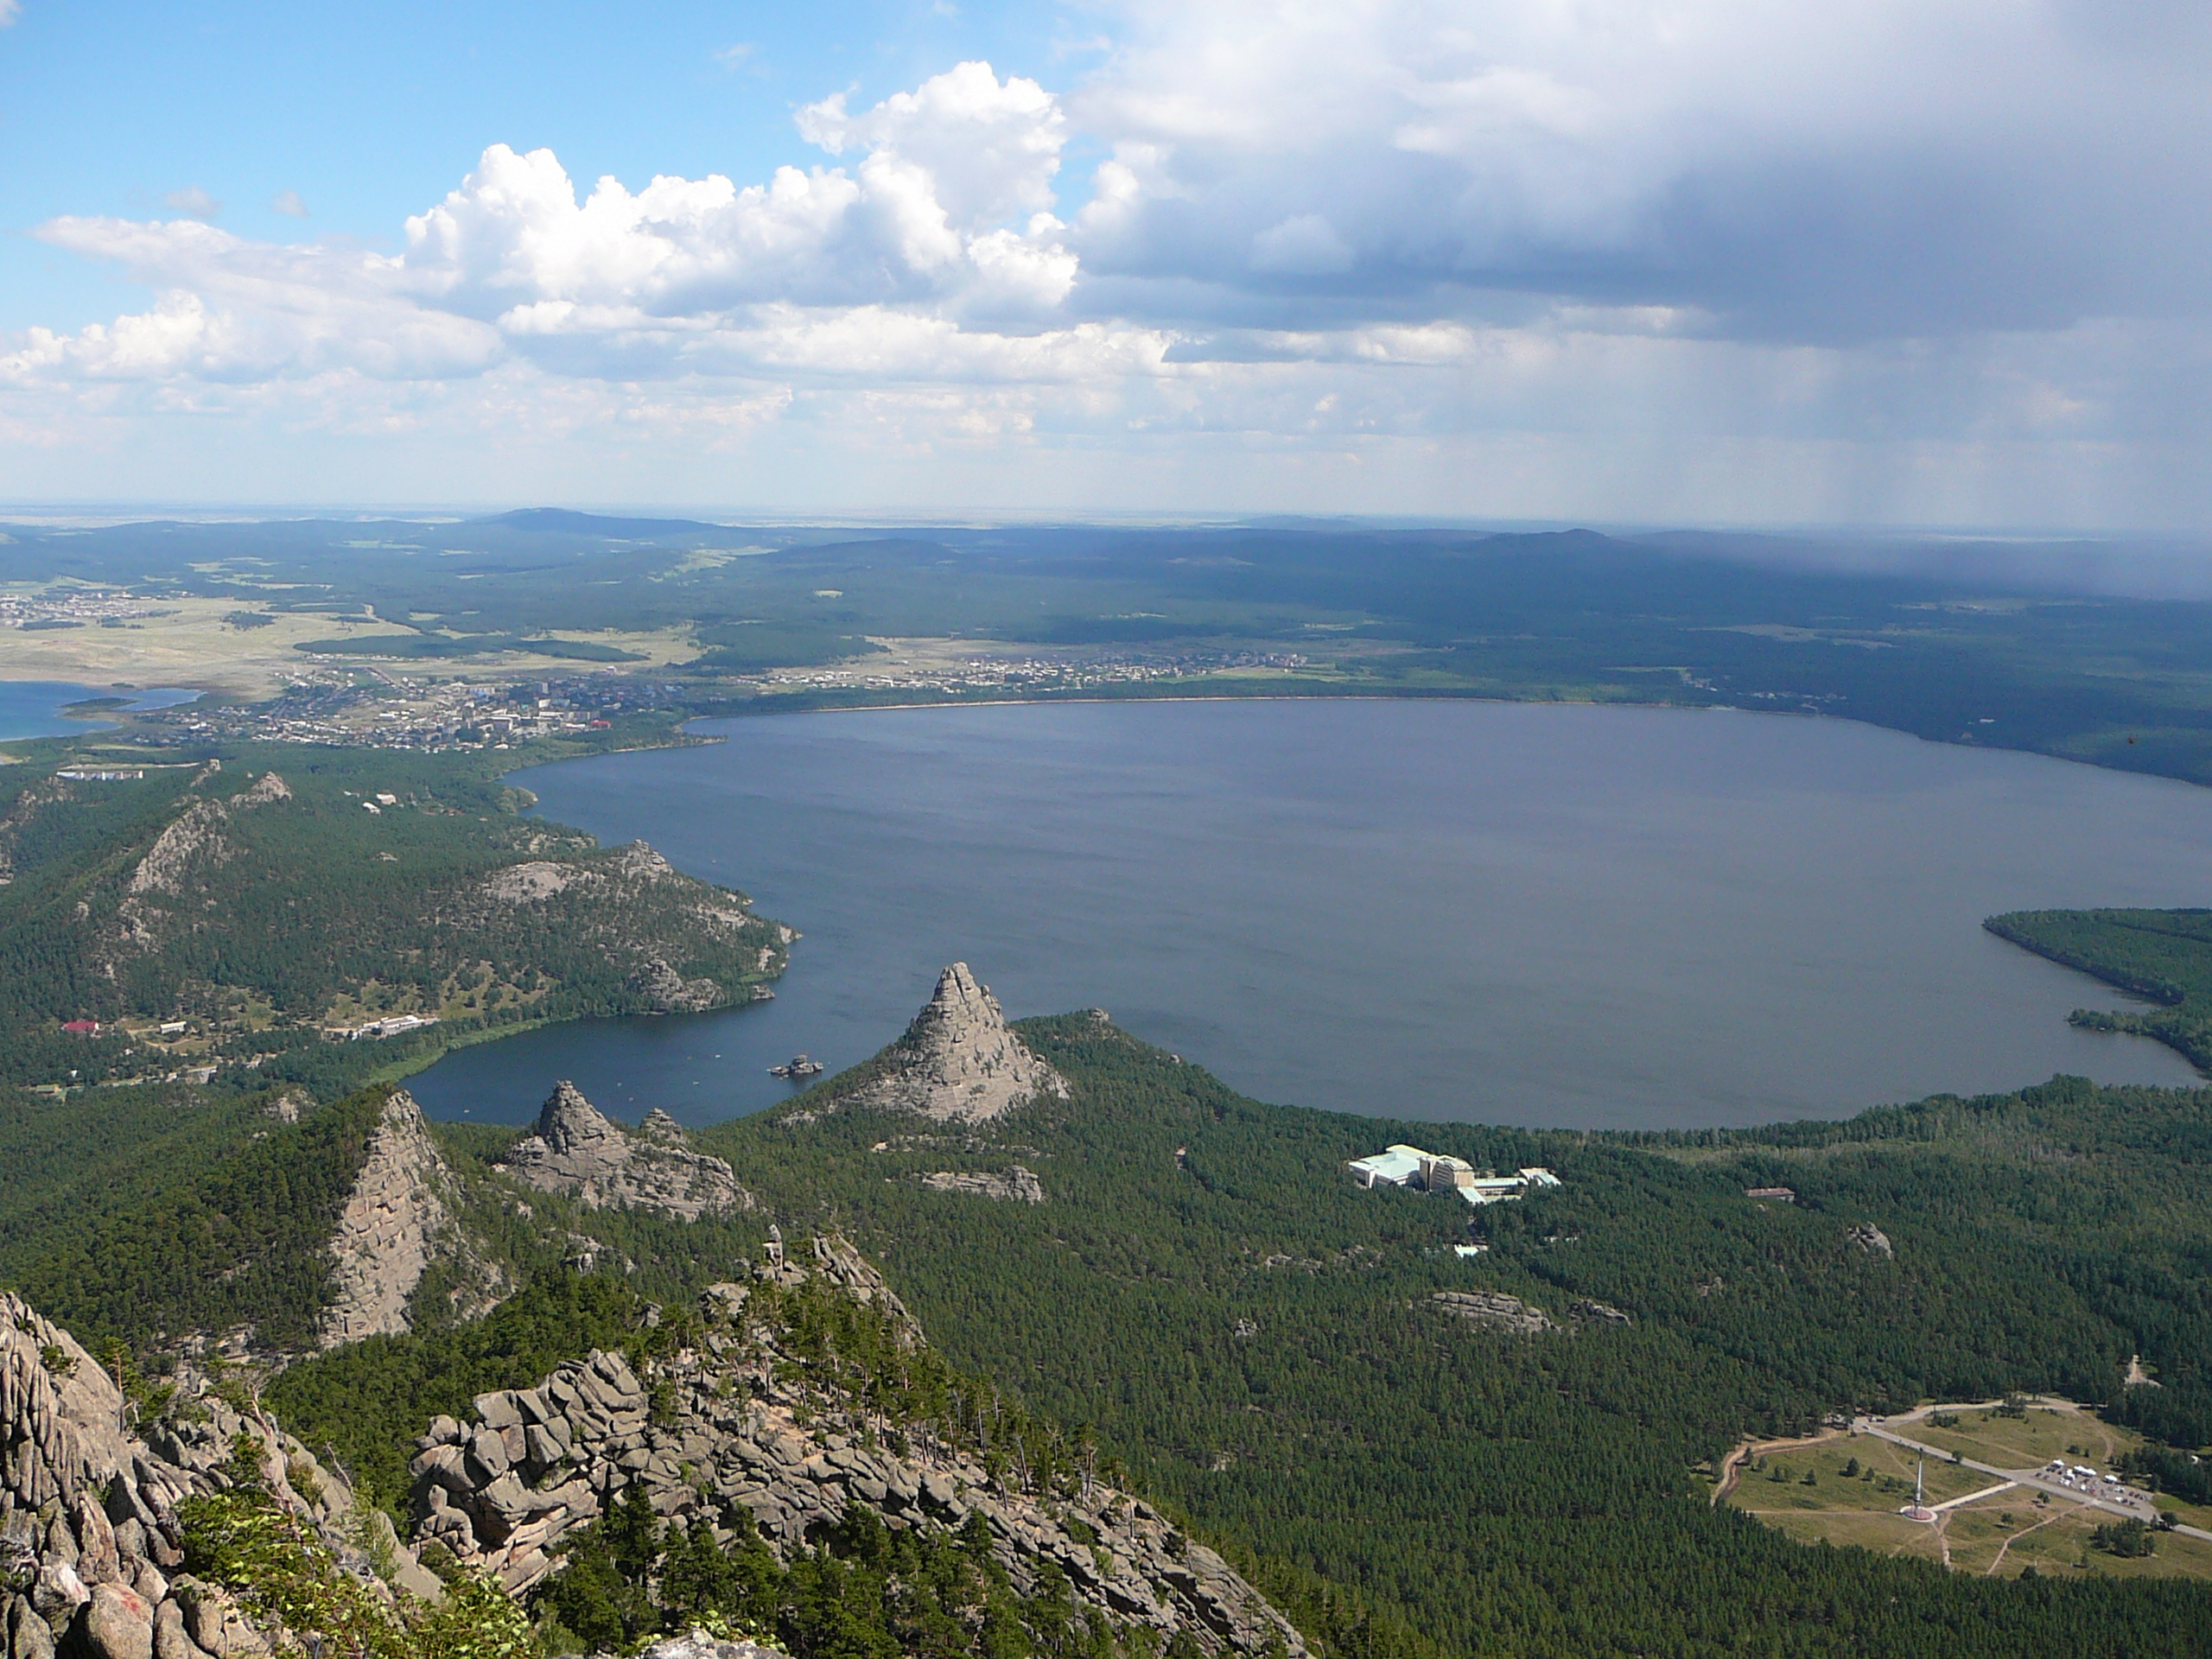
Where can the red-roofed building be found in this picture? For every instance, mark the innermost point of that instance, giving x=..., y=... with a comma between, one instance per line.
x=82, y=1027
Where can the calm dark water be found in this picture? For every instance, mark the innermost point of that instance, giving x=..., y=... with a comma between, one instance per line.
x=1498, y=912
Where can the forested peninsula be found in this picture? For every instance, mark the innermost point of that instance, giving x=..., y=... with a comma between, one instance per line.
x=316, y=916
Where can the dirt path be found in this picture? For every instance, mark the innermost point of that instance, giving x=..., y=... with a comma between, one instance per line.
x=2055, y=1514
x=1734, y=1464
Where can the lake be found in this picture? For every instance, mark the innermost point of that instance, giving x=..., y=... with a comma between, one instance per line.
x=33, y=708
x=1557, y=915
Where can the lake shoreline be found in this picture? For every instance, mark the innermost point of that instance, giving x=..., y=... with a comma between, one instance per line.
x=727, y=815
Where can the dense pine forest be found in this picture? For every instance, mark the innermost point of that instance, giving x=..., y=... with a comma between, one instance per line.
x=1251, y=1339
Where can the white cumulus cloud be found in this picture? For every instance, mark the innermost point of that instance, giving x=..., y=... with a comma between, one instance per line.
x=1933, y=259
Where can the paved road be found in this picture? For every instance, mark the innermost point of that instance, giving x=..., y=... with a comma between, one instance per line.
x=2136, y=1505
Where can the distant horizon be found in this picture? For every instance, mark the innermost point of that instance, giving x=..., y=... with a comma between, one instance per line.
x=2058, y=562
x=735, y=515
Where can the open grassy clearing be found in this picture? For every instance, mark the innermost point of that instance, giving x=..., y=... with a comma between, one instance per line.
x=2060, y=1429
x=1859, y=1483
x=191, y=644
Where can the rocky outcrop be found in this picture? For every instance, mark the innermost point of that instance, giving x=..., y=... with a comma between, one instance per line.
x=1869, y=1238
x=1596, y=1313
x=191, y=847
x=195, y=837
x=647, y=917
x=666, y=991
x=959, y=1061
x=265, y=790
x=1014, y=1185
x=698, y=1644
x=529, y=884
x=737, y=1422
x=396, y=1222
x=581, y=1153
x=91, y=1550
x=1494, y=1309
x=60, y=1417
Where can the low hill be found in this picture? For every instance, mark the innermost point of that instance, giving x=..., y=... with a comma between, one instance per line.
x=158, y=921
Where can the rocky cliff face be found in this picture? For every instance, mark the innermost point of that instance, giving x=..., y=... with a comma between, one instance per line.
x=396, y=1222
x=579, y=1152
x=736, y=1420
x=90, y=1552
x=1013, y=1185
x=959, y=1062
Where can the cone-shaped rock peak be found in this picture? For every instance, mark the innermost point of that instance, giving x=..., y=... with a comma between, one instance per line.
x=959, y=1061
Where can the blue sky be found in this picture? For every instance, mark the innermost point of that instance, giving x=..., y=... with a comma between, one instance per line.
x=371, y=115
x=1746, y=261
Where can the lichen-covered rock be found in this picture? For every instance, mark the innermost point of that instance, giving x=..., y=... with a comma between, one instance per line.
x=28, y=1635
x=959, y=1061
x=580, y=1152
x=171, y=1640
x=116, y=1623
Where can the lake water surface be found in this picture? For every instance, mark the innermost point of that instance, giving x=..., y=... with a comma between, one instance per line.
x=33, y=708
x=1542, y=914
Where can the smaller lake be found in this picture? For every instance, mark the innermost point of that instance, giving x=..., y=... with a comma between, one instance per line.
x=33, y=708
x=1554, y=915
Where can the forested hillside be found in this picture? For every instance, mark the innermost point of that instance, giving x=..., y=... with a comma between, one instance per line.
x=1256, y=1337
x=1244, y=1334
x=229, y=917
x=150, y=1214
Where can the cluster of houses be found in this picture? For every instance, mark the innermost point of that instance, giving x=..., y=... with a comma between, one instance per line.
x=1433, y=1172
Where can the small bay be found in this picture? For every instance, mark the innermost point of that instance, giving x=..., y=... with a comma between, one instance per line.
x=1555, y=915
x=36, y=708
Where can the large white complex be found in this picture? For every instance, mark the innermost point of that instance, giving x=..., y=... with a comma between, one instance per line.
x=1429, y=1171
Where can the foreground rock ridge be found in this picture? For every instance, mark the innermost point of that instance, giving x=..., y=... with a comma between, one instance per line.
x=732, y=1420
x=91, y=1553
x=579, y=1152
x=397, y=1221
x=959, y=1062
